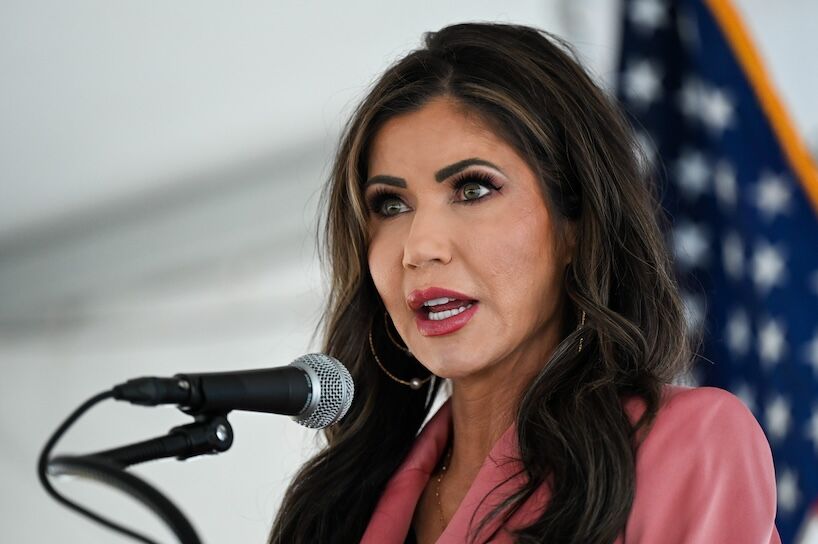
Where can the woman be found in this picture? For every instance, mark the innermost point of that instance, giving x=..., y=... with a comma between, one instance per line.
x=489, y=224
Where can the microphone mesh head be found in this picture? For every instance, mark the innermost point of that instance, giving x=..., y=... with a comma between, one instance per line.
x=332, y=390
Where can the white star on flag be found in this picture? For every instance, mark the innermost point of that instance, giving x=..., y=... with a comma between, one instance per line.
x=690, y=97
x=690, y=244
x=768, y=266
x=745, y=393
x=772, y=196
x=787, y=490
x=808, y=533
x=717, y=111
x=642, y=82
x=690, y=378
x=771, y=342
x=738, y=332
x=724, y=184
x=692, y=173
x=706, y=104
x=777, y=418
x=647, y=148
x=732, y=255
x=648, y=15
x=693, y=310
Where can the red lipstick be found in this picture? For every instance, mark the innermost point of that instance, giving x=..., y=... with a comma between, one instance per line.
x=425, y=319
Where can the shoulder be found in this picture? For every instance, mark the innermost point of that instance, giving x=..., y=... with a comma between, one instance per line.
x=707, y=417
x=705, y=425
x=704, y=469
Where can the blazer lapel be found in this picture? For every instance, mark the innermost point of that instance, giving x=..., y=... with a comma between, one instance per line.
x=499, y=477
x=393, y=515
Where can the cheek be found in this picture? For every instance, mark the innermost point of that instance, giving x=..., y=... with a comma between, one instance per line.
x=517, y=261
x=383, y=259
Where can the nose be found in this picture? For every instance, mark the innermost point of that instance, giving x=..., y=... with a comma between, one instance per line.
x=429, y=241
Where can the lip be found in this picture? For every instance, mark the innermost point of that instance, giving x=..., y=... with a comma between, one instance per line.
x=428, y=327
x=417, y=297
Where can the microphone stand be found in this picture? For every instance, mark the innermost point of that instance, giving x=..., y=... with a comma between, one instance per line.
x=208, y=434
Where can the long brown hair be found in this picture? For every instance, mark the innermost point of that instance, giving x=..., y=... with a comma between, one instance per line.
x=527, y=85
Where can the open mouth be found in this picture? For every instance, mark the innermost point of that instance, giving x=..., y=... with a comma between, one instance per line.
x=440, y=311
x=443, y=308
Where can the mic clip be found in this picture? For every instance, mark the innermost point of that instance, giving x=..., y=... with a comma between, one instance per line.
x=209, y=434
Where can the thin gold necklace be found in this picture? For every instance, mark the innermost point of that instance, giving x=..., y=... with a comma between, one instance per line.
x=440, y=475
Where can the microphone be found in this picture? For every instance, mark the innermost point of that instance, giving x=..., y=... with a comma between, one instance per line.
x=316, y=390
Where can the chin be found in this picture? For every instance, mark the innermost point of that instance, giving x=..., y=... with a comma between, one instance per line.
x=452, y=368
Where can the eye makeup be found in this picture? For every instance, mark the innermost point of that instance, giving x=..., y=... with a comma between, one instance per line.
x=382, y=195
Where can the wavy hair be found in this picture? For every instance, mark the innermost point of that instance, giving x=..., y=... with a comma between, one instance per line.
x=527, y=85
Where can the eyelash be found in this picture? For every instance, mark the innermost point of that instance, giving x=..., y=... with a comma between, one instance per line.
x=381, y=195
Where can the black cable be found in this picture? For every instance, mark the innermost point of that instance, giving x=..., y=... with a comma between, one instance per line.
x=42, y=472
x=110, y=473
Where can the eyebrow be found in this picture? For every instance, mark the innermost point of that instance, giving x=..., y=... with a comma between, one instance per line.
x=442, y=174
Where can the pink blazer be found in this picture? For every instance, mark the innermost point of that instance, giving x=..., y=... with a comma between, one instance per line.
x=704, y=474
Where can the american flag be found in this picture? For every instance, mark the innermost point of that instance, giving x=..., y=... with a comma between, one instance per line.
x=742, y=193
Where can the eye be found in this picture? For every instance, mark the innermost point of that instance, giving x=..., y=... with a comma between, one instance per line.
x=386, y=203
x=474, y=186
x=392, y=206
x=473, y=191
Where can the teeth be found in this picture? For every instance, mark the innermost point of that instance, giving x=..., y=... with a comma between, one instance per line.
x=437, y=301
x=437, y=316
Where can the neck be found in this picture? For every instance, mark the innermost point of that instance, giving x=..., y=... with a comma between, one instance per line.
x=484, y=407
x=484, y=404
x=478, y=421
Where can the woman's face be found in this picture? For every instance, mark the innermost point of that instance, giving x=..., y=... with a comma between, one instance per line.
x=456, y=213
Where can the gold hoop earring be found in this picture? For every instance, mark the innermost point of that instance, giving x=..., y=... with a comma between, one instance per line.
x=395, y=343
x=581, y=324
x=414, y=383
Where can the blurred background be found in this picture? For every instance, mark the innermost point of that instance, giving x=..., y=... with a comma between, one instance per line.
x=160, y=167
